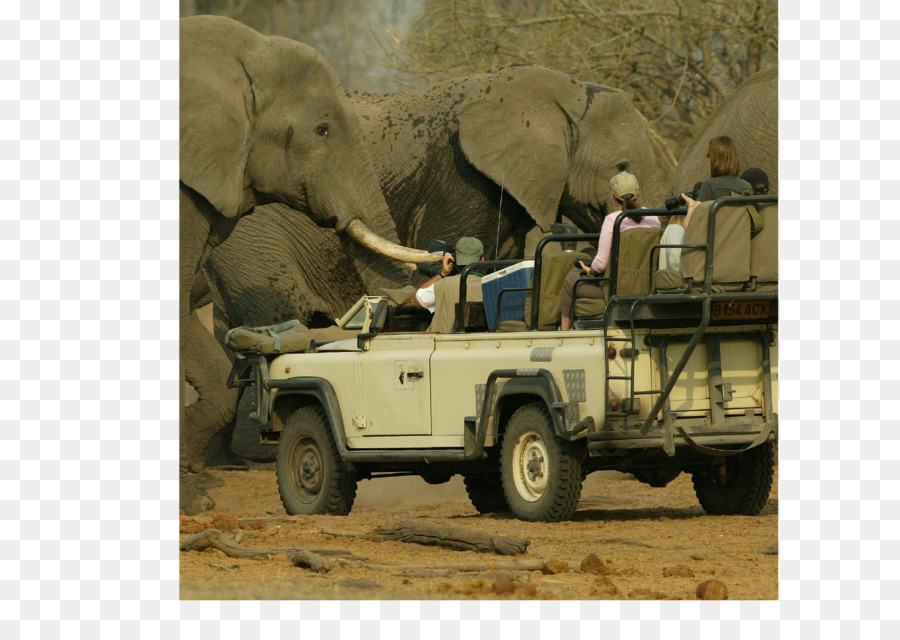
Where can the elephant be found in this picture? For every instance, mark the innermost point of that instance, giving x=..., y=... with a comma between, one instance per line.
x=262, y=120
x=489, y=155
x=749, y=116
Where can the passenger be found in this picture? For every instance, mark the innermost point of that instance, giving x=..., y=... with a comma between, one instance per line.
x=467, y=250
x=758, y=181
x=626, y=195
x=670, y=258
x=724, y=168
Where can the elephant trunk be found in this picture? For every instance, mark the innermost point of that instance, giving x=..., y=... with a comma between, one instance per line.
x=364, y=236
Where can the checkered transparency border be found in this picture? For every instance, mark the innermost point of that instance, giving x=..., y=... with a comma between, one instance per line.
x=88, y=319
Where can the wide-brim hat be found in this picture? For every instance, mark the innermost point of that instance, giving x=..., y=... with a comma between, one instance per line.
x=468, y=250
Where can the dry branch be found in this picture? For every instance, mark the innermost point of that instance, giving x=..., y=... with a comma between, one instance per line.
x=448, y=570
x=218, y=540
x=456, y=538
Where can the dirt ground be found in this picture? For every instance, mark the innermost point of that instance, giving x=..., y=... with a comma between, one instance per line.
x=652, y=544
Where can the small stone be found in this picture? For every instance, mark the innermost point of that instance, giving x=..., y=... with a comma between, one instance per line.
x=712, y=590
x=679, y=571
x=593, y=564
x=503, y=585
x=552, y=567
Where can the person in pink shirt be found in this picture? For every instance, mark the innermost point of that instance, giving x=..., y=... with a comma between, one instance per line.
x=625, y=195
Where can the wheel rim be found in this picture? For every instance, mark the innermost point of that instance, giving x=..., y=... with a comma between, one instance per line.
x=307, y=473
x=530, y=466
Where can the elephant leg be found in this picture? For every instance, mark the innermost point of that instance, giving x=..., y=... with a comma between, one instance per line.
x=207, y=369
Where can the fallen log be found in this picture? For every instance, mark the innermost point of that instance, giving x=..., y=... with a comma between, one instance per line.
x=457, y=538
x=217, y=540
x=445, y=570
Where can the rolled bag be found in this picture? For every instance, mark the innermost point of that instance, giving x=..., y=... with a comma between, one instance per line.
x=287, y=337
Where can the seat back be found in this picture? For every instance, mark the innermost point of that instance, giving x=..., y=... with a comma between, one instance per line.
x=555, y=266
x=634, y=268
x=764, y=251
x=731, y=256
x=446, y=297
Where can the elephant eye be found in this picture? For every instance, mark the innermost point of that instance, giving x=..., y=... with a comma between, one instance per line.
x=322, y=130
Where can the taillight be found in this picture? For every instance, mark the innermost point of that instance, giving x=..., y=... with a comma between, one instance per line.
x=611, y=352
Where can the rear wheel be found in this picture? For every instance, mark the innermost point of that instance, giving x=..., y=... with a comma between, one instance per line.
x=541, y=473
x=486, y=492
x=312, y=479
x=740, y=485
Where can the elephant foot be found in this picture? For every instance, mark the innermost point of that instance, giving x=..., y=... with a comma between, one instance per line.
x=193, y=496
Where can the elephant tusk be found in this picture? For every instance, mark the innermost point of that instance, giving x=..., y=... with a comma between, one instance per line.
x=357, y=230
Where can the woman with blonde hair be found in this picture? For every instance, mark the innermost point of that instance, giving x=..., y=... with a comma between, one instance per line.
x=724, y=169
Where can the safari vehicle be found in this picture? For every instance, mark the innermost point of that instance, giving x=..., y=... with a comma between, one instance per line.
x=676, y=372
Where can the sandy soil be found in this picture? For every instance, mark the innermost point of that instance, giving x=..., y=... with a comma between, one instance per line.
x=652, y=544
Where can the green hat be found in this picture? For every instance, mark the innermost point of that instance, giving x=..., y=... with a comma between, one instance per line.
x=468, y=250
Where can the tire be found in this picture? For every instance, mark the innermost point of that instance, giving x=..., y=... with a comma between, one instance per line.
x=486, y=492
x=741, y=486
x=541, y=473
x=312, y=479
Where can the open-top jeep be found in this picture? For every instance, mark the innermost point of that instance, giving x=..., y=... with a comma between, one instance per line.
x=674, y=372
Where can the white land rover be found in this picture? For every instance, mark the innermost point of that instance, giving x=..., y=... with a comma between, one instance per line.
x=674, y=372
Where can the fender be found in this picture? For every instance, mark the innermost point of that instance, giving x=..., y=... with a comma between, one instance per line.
x=537, y=382
x=323, y=392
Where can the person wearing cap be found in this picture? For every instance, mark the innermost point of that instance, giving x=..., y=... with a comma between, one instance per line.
x=467, y=250
x=626, y=192
x=758, y=180
x=724, y=167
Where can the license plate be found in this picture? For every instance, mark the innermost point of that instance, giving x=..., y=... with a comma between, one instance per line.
x=741, y=310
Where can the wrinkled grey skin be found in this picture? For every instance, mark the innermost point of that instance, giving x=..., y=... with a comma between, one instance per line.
x=749, y=116
x=442, y=153
x=551, y=142
x=262, y=120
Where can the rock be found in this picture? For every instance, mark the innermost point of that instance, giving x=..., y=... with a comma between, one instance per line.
x=552, y=567
x=770, y=550
x=679, y=571
x=502, y=586
x=593, y=564
x=712, y=590
x=603, y=587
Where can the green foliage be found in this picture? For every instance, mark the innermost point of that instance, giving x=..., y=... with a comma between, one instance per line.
x=678, y=58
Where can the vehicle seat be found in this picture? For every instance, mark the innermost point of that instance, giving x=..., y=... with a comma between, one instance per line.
x=731, y=257
x=446, y=298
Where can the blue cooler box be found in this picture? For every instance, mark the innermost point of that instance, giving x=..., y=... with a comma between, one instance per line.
x=513, y=304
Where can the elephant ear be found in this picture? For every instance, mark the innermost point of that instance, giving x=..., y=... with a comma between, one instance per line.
x=522, y=147
x=216, y=107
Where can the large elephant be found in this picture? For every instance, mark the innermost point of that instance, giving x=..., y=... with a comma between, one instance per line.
x=749, y=116
x=490, y=155
x=262, y=120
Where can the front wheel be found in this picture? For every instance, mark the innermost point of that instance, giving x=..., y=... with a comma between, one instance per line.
x=541, y=473
x=740, y=485
x=312, y=479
